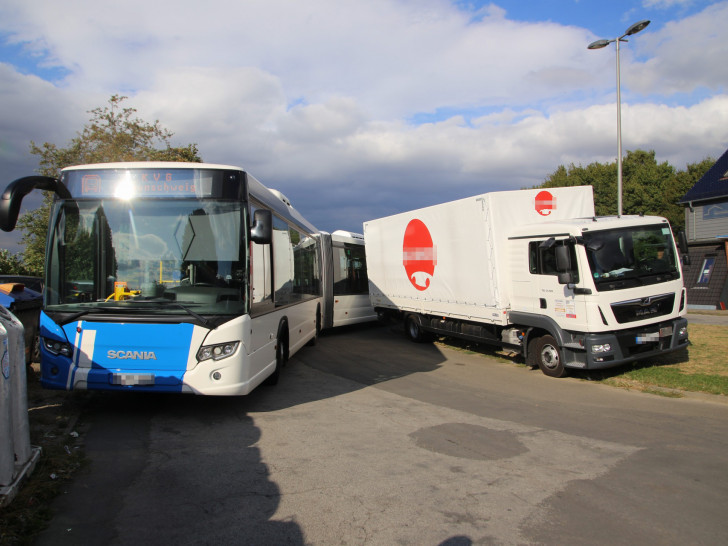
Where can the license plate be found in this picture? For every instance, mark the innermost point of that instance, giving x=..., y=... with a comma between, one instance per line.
x=648, y=338
x=128, y=379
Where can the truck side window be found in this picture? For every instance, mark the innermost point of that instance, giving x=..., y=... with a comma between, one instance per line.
x=542, y=261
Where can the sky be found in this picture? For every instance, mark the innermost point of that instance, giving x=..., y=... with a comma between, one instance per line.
x=357, y=110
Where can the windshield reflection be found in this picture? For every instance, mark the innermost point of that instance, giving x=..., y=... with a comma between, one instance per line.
x=636, y=255
x=160, y=256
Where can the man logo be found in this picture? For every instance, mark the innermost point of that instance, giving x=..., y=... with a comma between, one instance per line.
x=419, y=255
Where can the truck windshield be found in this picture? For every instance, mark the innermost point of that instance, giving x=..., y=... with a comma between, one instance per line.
x=634, y=256
x=153, y=256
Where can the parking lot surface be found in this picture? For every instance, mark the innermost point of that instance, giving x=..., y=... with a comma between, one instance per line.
x=371, y=439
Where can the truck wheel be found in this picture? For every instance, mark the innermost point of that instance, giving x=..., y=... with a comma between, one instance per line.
x=413, y=329
x=548, y=356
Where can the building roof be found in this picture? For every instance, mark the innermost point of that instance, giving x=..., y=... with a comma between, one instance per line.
x=713, y=184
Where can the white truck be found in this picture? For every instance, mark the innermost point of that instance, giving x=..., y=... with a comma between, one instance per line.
x=534, y=271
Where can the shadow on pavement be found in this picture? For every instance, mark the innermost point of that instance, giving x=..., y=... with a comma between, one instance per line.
x=166, y=468
x=358, y=356
x=169, y=469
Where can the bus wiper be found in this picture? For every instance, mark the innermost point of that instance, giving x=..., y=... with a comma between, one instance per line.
x=199, y=317
x=79, y=314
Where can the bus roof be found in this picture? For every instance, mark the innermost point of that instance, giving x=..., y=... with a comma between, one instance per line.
x=272, y=199
x=153, y=165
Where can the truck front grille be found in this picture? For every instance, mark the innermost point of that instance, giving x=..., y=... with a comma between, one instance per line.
x=643, y=308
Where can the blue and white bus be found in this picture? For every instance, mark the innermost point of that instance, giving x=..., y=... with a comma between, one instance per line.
x=176, y=277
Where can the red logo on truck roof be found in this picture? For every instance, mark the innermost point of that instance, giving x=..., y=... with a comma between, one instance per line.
x=545, y=203
x=419, y=254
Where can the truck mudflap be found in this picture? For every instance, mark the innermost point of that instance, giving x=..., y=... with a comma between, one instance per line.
x=610, y=349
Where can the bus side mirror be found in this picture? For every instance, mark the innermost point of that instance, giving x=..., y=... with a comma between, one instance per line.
x=16, y=190
x=261, y=231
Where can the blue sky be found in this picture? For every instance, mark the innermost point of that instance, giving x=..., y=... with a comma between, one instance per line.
x=357, y=110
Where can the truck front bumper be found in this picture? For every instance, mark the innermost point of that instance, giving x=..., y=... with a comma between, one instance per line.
x=606, y=350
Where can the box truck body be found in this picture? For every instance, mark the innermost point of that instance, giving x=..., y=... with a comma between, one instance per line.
x=528, y=270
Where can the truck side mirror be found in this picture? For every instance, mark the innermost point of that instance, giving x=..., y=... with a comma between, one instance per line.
x=261, y=232
x=563, y=264
x=682, y=243
x=565, y=278
x=563, y=260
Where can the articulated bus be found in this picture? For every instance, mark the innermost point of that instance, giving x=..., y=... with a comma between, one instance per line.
x=176, y=277
x=346, y=287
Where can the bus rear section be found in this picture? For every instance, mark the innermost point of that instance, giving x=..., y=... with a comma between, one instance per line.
x=346, y=287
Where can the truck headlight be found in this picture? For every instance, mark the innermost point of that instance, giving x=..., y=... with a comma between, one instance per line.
x=603, y=348
x=218, y=351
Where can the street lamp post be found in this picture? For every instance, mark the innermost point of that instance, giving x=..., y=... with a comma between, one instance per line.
x=634, y=29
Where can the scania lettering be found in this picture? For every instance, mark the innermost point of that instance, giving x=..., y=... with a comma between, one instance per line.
x=135, y=355
x=176, y=277
x=535, y=271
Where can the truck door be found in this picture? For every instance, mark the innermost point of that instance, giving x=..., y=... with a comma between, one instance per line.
x=554, y=298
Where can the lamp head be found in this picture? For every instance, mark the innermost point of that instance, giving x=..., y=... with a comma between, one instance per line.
x=634, y=29
x=598, y=44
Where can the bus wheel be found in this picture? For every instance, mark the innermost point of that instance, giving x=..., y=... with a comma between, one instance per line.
x=548, y=356
x=414, y=330
x=281, y=355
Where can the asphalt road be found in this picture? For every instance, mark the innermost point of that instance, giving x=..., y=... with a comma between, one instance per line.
x=716, y=317
x=371, y=439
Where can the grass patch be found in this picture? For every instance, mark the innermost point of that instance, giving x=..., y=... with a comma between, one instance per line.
x=703, y=367
x=671, y=377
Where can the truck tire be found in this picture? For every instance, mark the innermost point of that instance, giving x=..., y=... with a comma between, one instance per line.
x=413, y=329
x=548, y=356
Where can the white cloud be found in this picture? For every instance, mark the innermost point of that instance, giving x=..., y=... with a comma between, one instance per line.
x=313, y=98
x=684, y=55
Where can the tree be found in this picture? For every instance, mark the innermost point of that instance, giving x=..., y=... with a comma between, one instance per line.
x=648, y=187
x=112, y=134
x=10, y=264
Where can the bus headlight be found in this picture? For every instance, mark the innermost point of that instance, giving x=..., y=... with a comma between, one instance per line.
x=603, y=348
x=218, y=351
x=56, y=347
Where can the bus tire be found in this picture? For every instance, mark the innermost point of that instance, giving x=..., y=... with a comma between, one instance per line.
x=281, y=354
x=413, y=329
x=549, y=357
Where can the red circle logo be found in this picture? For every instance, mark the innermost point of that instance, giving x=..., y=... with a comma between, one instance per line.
x=419, y=255
x=545, y=203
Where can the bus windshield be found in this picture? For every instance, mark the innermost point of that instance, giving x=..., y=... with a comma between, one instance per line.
x=148, y=256
x=629, y=257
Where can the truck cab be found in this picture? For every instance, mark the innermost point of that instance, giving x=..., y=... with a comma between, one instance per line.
x=609, y=290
